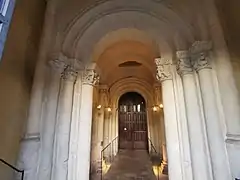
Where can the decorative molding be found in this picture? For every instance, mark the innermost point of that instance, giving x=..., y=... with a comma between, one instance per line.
x=31, y=137
x=57, y=65
x=103, y=88
x=69, y=74
x=233, y=139
x=200, y=55
x=90, y=77
x=58, y=59
x=184, y=65
x=163, y=69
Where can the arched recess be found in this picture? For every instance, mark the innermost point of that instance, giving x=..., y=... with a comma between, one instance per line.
x=133, y=85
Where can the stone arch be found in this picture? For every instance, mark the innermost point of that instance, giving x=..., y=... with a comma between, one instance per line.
x=131, y=84
x=88, y=28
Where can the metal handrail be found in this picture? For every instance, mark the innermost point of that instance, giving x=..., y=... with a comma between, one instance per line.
x=152, y=146
x=14, y=168
x=102, y=151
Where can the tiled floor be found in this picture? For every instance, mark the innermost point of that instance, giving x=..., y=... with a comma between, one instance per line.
x=132, y=165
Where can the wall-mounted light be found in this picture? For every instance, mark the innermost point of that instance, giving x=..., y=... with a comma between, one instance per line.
x=99, y=106
x=155, y=108
x=109, y=109
x=161, y=106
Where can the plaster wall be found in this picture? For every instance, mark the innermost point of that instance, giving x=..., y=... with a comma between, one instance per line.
x=16, y=73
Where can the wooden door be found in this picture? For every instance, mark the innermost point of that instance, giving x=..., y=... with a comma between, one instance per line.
x=132, y=122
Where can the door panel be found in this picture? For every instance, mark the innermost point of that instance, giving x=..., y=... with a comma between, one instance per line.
x=132, y=124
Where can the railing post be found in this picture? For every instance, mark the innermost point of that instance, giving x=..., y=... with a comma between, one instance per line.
x=22, y=175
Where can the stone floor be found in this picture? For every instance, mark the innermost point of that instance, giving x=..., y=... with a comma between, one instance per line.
x=132, y=165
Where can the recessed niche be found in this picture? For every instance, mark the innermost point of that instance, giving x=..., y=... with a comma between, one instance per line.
x=130, y=64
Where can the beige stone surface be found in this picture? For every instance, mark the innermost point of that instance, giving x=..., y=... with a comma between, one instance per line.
x=16, y=73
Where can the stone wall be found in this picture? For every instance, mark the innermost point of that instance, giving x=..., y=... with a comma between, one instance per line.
x=16, y=75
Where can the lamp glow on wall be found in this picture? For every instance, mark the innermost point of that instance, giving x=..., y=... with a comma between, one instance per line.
x=99, y=106
x=155, y=108
x=161, y=106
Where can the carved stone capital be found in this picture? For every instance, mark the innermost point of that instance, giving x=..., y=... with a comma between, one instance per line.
x=57, y=65
x=184, y=65
x=200, y=55
x=69, y=74
x=163, y=69
x=90, y=77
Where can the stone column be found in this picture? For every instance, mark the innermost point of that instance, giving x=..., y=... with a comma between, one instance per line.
x=62, y=135
x=73, y=145
x=164, y=164
x=49, y=120
x=200, y=53
x=196, y=127
x=30, y=144
x=103, y=89
x=90, y=78
x=164, y=75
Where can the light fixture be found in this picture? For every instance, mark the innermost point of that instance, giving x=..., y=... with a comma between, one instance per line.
x=109, y=109
x=161, y=106
x=155, y=108
x=99, y=106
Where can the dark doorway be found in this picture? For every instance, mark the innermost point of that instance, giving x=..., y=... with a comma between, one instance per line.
x=132, y=122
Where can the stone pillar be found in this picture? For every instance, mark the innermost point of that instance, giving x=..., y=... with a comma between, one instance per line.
x=103, y=89
x=62, y=138
x=49, y=120
x=164, y=164
x=73, y=145
x=164, y=75
x=200, y=53
x=30, y=144
x=196, y=126
x=90, y=78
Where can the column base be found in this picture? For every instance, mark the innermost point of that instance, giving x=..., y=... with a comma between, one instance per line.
x=28, y=156
x=96, y=170
x=233, y=149
x=164, y=168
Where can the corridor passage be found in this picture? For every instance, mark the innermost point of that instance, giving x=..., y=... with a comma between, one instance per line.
x=132, y=165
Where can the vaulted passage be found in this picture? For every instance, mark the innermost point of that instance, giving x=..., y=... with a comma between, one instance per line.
x=130, y=89
x=132, y=122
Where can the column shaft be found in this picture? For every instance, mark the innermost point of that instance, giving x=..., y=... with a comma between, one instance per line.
x=199, y=150
x=72, y=165
x=200, y=52
x=48, y=130
x=31, y=142
x=196, y=127
x=215, y=135
x=90, y=78
x=63, y=125
x=85, y=132
x=164, y=74
x=171, y=128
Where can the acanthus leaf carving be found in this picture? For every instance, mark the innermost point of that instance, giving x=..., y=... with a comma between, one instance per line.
x=200, y=55
x=163, y=69
x=90, y=77
x=69, y=74
x=184, y=65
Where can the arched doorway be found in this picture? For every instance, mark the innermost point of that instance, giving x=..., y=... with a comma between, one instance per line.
x=132, y=122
